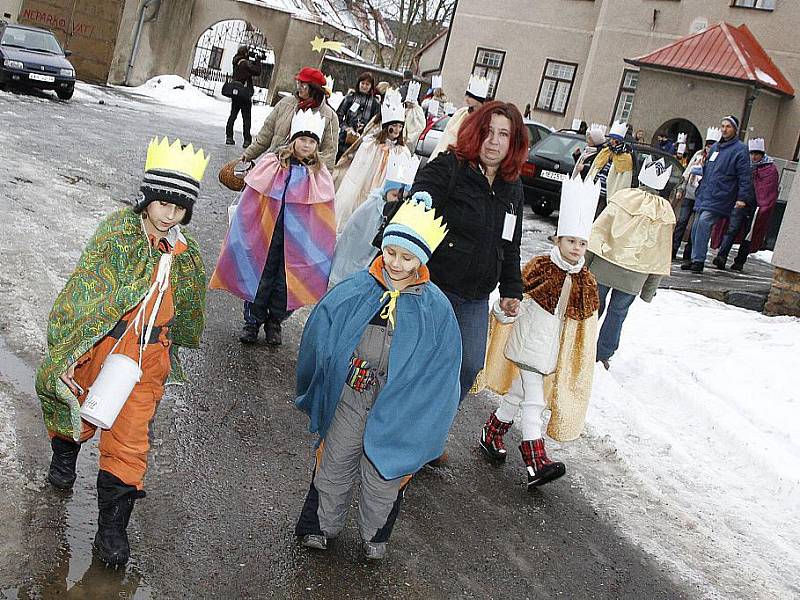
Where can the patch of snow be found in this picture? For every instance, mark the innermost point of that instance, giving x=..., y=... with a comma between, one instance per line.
x=175, y=91
x=763, y=255
x=701, y=405
x=765, y=77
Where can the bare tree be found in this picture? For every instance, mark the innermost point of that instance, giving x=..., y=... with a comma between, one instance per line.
x=417, y=23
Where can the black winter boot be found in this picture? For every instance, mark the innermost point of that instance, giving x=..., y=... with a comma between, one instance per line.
x=541, y=469
x=62, y=466
x=272, y=329
x=249, y=334
x=719, y=262
x=491, y=441
x=115, y=501
x=697, y=267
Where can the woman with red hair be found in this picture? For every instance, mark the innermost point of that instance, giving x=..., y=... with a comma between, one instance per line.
x=475, y=185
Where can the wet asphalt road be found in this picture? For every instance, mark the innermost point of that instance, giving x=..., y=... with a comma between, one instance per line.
x=231, y=459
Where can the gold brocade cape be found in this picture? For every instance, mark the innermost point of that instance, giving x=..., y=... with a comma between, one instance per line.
x=635, y=232
x=567, y=391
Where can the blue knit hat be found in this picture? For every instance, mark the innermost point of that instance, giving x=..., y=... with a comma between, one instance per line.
x=415, y=227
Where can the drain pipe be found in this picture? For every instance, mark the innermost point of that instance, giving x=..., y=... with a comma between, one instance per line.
x=137, y=36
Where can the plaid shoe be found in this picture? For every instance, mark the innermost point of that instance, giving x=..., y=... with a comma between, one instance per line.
x=491, y=441
x=541, y=469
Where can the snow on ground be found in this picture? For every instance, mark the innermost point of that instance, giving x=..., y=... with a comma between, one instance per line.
x=175, y=91
x=701, y=405
x=763, y=255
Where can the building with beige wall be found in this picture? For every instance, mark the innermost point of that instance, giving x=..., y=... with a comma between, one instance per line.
x=566, y=58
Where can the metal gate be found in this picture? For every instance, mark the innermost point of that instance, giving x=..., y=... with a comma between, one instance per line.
x=215, y=49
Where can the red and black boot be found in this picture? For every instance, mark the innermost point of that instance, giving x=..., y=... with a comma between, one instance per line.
x=541, y=469
x=491, y=441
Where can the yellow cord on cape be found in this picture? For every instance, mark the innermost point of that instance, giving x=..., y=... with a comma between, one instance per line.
x=388, y=310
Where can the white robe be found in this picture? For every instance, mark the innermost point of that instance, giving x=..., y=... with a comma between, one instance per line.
x=367, y=172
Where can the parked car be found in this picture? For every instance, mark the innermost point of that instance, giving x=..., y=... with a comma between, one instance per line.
x=551, y=161
x=32, y=57
x=433, y=133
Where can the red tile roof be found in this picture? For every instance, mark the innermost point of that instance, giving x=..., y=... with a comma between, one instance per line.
x=723, y=51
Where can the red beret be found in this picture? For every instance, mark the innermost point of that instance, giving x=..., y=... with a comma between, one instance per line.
x=311, y=75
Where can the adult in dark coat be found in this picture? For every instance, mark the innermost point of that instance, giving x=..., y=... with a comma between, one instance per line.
x=748, y=225
x=476, y=187
x=727, y=183
x=244, y=70
x=356, y=110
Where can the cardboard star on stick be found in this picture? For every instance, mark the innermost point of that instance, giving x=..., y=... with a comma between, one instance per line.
x=319, y=44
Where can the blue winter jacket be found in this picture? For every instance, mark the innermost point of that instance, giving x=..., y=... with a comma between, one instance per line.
x=726, y=179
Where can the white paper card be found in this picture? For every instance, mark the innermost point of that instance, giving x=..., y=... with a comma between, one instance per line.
x=509, y=225
x=713, y=157
x=354, y=107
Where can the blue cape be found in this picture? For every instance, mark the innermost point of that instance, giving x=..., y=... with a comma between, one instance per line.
x=408, y=424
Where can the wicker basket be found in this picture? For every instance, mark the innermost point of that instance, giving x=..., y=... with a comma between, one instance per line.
x=229, y=179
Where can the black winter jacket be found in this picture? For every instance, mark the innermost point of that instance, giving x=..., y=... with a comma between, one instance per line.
x=473, y=257
x=244, y=70
x=368, y=107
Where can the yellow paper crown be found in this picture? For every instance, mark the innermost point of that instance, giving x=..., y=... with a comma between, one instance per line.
x=173, y=157
x=415, y=215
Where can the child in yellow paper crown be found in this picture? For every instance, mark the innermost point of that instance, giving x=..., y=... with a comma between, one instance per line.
x=138, y=289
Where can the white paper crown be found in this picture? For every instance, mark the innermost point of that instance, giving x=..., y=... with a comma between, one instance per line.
x=655, y=174
x=682, y=137
x=714, y=133
x=757, y=145
x=449, y=108
x=436, y=81
x=412, y=92
x=402, y=168
x=576, y=124
x=478, y=87
x=329, y=82
x=619, y=128
x=579, y=200
x=598, y=127
x=392, y=110
x=308, y=121
x=681, y=149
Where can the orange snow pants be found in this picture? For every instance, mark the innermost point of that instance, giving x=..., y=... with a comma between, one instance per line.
x=124, y=447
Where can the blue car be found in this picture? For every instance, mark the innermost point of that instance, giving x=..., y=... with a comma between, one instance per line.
x=31, y=57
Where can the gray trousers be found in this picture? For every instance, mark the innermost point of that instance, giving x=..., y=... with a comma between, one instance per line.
x=343, y=463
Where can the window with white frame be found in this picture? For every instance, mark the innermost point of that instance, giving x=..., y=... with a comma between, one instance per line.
x=489, y=63
x=556, y=86
x=757, y=4
x=627, y=90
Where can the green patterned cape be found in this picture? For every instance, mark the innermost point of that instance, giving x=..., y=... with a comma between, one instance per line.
x=112, y=277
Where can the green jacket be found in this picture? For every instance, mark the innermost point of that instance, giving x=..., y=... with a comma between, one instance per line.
x=112, y=277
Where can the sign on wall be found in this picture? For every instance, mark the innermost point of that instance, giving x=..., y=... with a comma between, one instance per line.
x=86, y=27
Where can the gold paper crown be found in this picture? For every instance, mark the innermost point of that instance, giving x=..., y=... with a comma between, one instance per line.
x=423, y=221
x=173, y=157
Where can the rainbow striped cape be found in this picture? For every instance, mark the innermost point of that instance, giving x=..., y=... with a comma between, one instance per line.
x=309, y=233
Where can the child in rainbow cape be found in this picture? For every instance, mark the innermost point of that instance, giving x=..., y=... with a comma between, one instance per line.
x=544, y=362
x=138, y=288
x=278, y=250
x=378, y=375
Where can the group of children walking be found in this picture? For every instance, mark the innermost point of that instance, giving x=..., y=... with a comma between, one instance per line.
x=379, y=361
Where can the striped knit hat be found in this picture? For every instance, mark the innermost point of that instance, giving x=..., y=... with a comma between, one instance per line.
x=415, y=227
x=173, y=173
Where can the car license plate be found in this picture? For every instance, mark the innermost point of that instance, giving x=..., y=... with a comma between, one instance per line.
x=554, y=176
x=37, y=77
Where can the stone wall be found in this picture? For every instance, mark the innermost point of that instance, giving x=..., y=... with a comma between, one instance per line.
x=784, y=295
